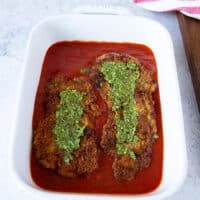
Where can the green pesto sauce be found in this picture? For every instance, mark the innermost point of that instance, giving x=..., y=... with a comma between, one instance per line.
x=68, y=129
x=122, y=78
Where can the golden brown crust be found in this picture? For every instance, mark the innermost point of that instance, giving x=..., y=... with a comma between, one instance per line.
x=85, y=159
x=44, y=142
x=108, y=139
x=123, y=166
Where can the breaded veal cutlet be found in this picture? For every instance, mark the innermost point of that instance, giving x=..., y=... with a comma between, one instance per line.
x=85, y=159
x=125, y=168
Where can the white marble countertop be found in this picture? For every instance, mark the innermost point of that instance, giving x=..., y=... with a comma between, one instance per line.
x=17, y=17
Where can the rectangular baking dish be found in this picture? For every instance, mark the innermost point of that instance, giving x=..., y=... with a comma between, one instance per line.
x=101, y=27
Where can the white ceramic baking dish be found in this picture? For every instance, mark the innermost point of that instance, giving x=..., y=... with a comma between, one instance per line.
x=102, y=27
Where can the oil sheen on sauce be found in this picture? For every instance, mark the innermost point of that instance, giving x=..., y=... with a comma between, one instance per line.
x=68, y=57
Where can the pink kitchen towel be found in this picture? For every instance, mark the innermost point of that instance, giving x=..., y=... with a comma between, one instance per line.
x=187, y=7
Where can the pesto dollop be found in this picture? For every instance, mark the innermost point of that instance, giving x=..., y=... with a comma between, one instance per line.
x=122, y=78
x=68, y=129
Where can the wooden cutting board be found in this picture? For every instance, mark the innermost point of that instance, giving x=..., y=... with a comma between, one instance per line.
x=190, y=29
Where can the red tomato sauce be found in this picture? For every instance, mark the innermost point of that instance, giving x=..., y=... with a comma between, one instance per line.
x=68, y=57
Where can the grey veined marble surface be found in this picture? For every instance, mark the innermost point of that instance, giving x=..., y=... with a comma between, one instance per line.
x=17, y=17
